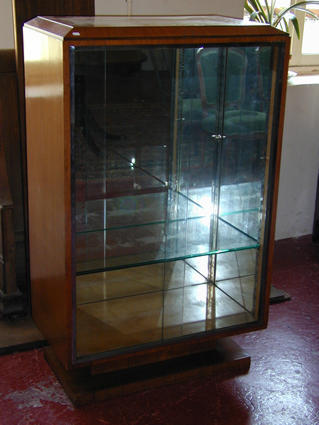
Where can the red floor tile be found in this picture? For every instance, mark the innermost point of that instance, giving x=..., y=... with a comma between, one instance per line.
x=282, y=386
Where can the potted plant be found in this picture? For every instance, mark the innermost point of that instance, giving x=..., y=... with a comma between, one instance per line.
x=278, y=17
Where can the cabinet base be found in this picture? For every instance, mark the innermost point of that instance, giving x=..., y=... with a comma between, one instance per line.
x=226, y=361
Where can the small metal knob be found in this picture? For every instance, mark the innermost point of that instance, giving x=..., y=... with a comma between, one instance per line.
x=218, y=137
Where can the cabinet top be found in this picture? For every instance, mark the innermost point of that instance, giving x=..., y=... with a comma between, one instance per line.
x=97, y=27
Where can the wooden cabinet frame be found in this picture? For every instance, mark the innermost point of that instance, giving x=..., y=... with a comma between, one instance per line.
x=47, y=43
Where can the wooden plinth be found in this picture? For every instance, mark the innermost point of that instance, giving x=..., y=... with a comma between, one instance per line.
x=226, y=361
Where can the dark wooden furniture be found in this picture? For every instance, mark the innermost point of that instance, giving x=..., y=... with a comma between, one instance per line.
x=11, y=301
x=151, y=222
x=12, y=279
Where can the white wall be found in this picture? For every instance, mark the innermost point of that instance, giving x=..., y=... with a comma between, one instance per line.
x=233, y=8
x=6, y=25
x=111, y=7
x=300, y=162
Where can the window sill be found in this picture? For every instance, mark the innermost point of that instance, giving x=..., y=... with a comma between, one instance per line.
x=304, y=80
x=303, y=75
x=305, y=70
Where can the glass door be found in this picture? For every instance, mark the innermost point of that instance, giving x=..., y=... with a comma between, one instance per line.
x=171, y=151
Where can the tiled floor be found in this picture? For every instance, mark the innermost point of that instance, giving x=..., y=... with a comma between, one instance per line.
x=281, y=387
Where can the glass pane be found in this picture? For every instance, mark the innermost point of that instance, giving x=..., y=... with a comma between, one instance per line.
x=141, y=305
x=171, y=148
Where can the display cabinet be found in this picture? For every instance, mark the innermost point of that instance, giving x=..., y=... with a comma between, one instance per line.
x=153, y=155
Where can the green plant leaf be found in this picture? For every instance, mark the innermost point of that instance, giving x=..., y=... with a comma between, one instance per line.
x=268, y=10
x=257, y=7
x=255, y=16
x=266, y=14
x=273, y=4
x=286, y=25
x=248, y=8
x=295, y=23
x=296, y=6
x=253, y=4
x=307, y=12
x=262, y=12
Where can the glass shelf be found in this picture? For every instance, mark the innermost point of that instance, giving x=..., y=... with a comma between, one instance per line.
x=164, y=300
x=136, y=233
x=232, y=266
x=120, y=172
x=151, y=317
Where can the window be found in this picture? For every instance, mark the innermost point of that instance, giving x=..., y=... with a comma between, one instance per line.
x=305, y=51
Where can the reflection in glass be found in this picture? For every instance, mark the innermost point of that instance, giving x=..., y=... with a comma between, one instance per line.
x=170, y=156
